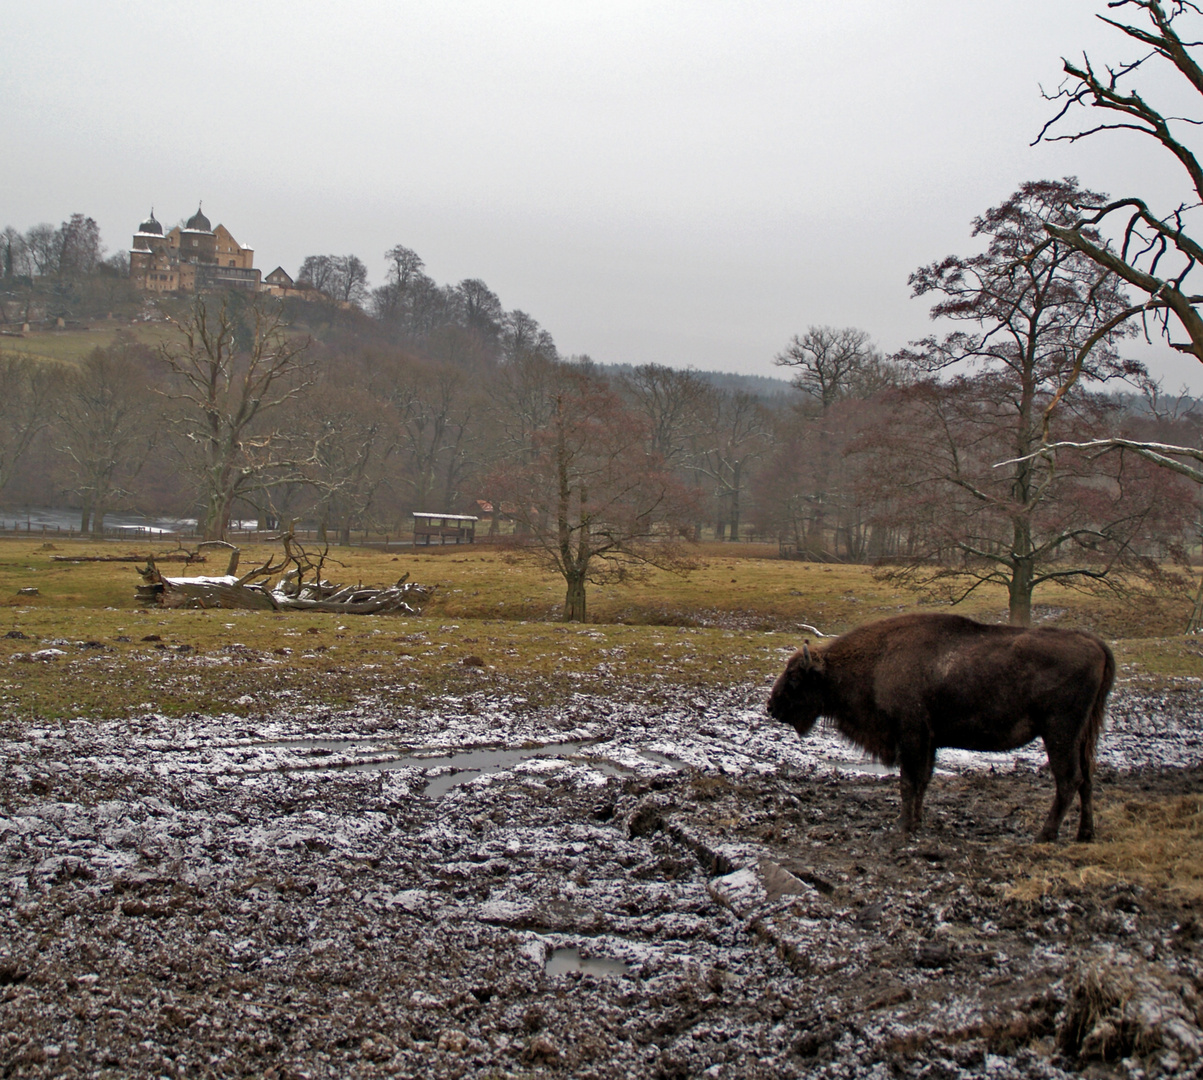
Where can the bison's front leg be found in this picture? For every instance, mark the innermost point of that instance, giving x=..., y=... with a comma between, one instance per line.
x=915, y=769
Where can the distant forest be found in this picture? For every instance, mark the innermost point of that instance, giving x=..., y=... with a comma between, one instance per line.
x=349, y=407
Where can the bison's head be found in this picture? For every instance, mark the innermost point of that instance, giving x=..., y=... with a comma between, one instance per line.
x=797, y=695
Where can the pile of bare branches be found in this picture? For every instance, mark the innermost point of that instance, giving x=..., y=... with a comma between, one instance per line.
x=301, y=586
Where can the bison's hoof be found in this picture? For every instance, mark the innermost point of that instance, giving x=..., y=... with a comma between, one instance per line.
x=1085, y=837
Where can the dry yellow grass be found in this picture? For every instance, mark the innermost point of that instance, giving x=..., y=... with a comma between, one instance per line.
x=732, y=619
x=1153, y=842
x=735, y=584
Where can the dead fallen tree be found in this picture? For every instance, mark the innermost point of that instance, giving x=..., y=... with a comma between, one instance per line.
x=301, y=586
x=170, y=556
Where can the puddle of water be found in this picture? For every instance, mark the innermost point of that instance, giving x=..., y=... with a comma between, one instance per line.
x=665, y=759
x=452, y=769
x=460, y=767
x=562, y=961
x=865, y=766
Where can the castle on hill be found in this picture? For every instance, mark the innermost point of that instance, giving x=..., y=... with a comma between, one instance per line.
x=190, y=259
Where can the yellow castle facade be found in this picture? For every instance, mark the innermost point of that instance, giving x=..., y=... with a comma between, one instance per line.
x=190, y=258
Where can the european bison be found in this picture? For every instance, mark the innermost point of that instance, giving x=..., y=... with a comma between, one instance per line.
x=903, y=687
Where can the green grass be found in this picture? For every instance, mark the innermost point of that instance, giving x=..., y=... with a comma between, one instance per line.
x=494, y=605
x=71, y=346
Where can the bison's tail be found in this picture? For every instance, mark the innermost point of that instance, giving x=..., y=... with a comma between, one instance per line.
x=1094, y=726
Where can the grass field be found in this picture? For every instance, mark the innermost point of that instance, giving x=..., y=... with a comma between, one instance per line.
x=70, y=346
x=733, y=618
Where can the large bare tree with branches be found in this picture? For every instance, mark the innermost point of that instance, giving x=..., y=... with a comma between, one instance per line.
x=231, y=369
x=1036, y=325
x=1156, y=255
x=29, y=389
x=594, y=503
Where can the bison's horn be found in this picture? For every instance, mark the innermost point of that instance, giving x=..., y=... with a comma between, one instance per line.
x=806, y=653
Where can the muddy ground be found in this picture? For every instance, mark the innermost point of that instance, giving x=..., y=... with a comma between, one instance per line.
x=659, y=884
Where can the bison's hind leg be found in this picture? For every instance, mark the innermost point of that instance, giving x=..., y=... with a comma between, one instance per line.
x=1066, y=764
x=1086, y=797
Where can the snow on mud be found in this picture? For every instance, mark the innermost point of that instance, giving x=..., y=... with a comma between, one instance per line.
x=643, y=885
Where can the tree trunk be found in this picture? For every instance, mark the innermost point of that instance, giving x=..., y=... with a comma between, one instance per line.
x=1020, y=592
x=217, y=515
x=1195, y=622
x=574, y=599
x=737, y=471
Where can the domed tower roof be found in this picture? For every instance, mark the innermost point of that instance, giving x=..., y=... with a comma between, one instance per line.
x=151, y=226
x=198, y=222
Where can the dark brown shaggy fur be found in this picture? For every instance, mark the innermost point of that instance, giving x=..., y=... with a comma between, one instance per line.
x=903, y=687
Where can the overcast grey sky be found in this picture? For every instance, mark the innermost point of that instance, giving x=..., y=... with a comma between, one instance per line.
x=681, y=182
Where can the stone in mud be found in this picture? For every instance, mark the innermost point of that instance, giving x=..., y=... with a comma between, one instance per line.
x=743, y=891
x=779, y=882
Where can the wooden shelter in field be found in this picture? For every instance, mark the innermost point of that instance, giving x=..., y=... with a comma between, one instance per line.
x=460, y=528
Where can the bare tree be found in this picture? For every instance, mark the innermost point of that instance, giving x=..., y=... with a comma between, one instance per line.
x=106, y=429
x=1158, y=256
x=342, y=278
x=595, y=504
x=79, y=248
x=1091, y=523
x=672, y=401
x=1044, y=319
x=433, y=411
x=831, y=364
x=15, y=258
x=392, y=299
x=482, y=310
x=223, y=395
x=28, y=393
x=736, y=431
x=350, y=433
x=350, y=284
x=812, y=492
x=42, y=248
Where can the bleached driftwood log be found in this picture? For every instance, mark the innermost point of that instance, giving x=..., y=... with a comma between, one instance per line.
x=227, y=591
x=292, y=592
